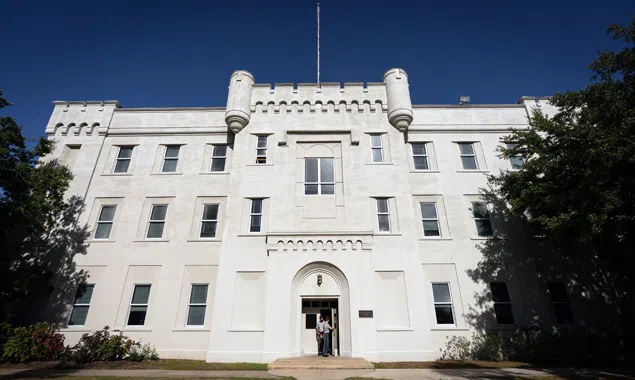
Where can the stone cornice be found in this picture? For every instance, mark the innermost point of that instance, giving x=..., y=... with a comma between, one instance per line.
x=319, y=241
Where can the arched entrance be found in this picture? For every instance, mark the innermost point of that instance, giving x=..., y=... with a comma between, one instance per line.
x=317, y=287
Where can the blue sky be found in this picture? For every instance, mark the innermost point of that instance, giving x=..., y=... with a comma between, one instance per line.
x=181, y=53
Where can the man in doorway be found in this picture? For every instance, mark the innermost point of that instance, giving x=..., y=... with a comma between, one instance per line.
x=319, y=333
x=326, y=327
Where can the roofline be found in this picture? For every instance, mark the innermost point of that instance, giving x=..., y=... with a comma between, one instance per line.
x=468, y=106
x=162, y=109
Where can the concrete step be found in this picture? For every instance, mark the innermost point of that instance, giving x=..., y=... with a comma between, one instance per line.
x=319, y=362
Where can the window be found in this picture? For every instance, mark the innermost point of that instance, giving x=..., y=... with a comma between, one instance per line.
x=311, y=321
x=480, y=212
x=430, y=219
x=157, y=221
x=560, y=302
x=139, y=305
x=517, y=160
x=209, y=220
x=376, y=148
x=261, y=150
x=502, y=303
x=219, y=157
x=81, y=305
x=170, y=159
x=255, y=215
x=105, y=221
x=420, y=156
x=123, y=159
x=197, y=305
x=468, y=156
x=318, y=176
x=383, y=216
x=443, y=304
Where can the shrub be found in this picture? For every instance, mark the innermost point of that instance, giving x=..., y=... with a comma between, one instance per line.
x=101, y=346
x=141, y=352
x=457, y=348
x=488, y=346
x=5, y=332
x=35, y=342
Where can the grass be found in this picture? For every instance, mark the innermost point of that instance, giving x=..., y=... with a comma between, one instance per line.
x=168, y=364
x=144, y=378
x=451, y=364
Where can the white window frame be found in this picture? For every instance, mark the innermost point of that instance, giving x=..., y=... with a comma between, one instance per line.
x=211, y=164
x=517, y=156
x=130, y=304
x=203, y=220
x=166, y=158
x=253, y=214
x=118, y=159
x=451, y=303
x=99, y=221
x=261, y=159
x=436, y=212
x=387, y=213
x=150, y=221
x=426, y=155
x=473, y=154
x=379, y=147
x=489, y=218
x=75, y=304
x=319, y=182
x=190, y=304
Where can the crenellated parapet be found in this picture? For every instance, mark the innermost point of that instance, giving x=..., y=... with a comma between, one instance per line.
x=89, y=118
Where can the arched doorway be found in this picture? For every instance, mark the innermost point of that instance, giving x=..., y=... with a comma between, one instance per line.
x=325, y=284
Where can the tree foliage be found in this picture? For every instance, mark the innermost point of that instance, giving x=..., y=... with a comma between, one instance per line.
x=39, y=228
x=576, y=189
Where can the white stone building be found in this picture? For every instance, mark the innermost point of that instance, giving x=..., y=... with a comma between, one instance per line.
x=220, y=233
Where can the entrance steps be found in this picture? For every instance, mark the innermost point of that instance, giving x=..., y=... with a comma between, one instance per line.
x=319, y=362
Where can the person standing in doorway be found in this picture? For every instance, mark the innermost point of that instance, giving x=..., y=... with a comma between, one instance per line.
x=326, y=327
x=319, y=334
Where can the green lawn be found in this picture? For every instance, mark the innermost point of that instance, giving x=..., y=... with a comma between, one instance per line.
x=451, y=364
x=170, y=364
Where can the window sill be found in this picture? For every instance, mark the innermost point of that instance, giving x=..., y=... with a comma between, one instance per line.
x=245, y=330
x=449, y=329
x=78, y=329
x=117, y=174
x=151, y=241
x=213, y=173
x=174, y=173
x=253, y=234
x=100, y=241
x=192, y=329
x=434, y=238
x=387, y=234
x=267, y=164
x=381, y=329
x=425, y=171
x=204, y=240
x=472, y=171
x=131, y=329
x=378, y=163
x=485, y=238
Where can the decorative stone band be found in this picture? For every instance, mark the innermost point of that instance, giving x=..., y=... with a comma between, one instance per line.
x=319, y=241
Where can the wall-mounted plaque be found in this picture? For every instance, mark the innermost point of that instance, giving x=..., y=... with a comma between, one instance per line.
x=365, y=313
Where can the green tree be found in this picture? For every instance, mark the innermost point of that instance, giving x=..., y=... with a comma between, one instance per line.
x=39, y=229
x=577, y=187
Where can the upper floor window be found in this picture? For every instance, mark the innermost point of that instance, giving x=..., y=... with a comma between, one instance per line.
x=105, y=221
x=170, y=158
x=430, y=219
x=517, y=160
x=123, y=159
x=81, y=305
x=157, y=221
x=502, y=303
x=560, y=302
x=209, y=221
x=376, y=148
x=383, y=215
x=480, y=212
x=468, y=156
x=318, y=176
x=261, y=150
x=255, y=215
x=219, y=158
x=420, y=156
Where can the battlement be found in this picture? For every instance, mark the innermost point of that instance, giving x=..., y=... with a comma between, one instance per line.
x=81, y=118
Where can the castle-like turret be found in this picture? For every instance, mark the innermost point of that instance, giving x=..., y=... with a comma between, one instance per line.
x=239, y=100
x=398, y=97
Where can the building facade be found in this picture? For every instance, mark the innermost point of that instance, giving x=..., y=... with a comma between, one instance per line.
x=222, y=233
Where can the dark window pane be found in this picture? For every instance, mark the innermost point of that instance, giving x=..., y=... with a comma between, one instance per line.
x=428, y=210
x=421, y=163
x=504, y=315
x=218, y=164
x=558, y=292
x=384, y=222
x=418, y=148
x=444, y=314
x=220, y=151
x=333, y=304
x=466, y=148
x=469, y=163
x=141, y=294
x=315, y=303
x=441, y=292
x=107, y=213
x=137, y=315
x=328, y=189
x=377, y=155
x=324, y=303
x=375, y=140
x=563, y=313
x=480, y=210
x=256, y=206
x=158, y=212
x=172, y=151
x=122, y=166
x=499, y=292
x=310, y=170
x=169, y=165
x=517, y=162
x=431, y=228
x=484, y=227
x=311, y=321
x=210, y=212
x=103, y=230
x=208, y=229
x=254, y=226
x=262, y=141
x=310, y=189
x=261, y=152
x=84, y=293
x=326, y=170
x=198, y=294
x=155, y=230
x=306, y=303
x=78, y=316
x=382, y=205
x=125, y=152
x=196, y=316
